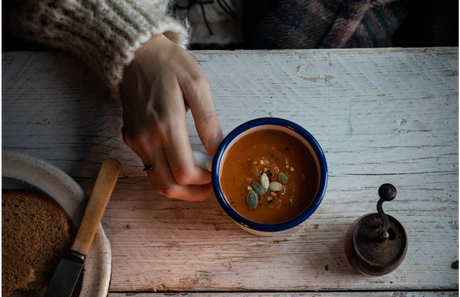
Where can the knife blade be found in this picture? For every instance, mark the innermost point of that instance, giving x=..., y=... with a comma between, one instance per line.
x=69, y=268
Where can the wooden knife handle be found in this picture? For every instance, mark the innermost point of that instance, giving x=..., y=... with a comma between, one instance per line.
x=105, y=182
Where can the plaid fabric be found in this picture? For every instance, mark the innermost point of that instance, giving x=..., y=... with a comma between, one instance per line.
x=291, y=24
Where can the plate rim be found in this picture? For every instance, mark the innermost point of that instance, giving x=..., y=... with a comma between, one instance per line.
x=50, y=179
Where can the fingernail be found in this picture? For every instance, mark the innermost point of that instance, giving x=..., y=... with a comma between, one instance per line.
x=214, y=144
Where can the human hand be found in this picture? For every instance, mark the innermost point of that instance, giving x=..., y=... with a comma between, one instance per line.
x=159, y=86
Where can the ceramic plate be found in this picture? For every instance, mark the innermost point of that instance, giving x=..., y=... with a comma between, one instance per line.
x=21, y=171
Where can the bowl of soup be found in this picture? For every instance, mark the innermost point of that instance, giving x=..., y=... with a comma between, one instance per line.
x=269, y=175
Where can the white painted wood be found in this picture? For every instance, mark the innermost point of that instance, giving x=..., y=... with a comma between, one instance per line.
x=381, y=115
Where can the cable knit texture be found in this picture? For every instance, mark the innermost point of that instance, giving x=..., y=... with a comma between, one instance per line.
x=103, y=33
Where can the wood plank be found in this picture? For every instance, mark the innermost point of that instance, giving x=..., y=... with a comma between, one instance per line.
x=388, y=115
x=286, y=294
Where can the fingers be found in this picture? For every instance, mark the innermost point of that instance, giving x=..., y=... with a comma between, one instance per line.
x=164, y=182
x=198, y=96
x=173, y=172
x=172, y=130
x=162, y=178
x=180, y=157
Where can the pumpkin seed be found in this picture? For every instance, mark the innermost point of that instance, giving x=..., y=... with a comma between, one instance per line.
x=258, y=188
x=252, y=199
x=275, y=186
x=264, y=181
x=282, y=178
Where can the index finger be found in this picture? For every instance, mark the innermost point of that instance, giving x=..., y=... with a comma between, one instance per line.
x=198, y=96
x=180, y=156
x=174, y=138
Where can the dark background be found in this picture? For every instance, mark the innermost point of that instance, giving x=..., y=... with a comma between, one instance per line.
x=429, y=24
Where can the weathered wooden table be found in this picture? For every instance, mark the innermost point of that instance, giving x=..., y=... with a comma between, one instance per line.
x=380, y=115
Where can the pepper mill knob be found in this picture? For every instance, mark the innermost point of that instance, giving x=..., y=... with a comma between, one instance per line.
x=387, y=192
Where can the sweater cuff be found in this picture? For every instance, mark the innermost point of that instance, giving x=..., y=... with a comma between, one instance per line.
x=104, y=34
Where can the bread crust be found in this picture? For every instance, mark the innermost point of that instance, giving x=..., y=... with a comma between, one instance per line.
x=16, y=274
x=36, y=229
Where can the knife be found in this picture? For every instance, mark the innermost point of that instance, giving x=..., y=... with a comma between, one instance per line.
x=69, y=268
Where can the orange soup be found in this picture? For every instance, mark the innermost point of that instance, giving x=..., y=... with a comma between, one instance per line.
x=269, y=176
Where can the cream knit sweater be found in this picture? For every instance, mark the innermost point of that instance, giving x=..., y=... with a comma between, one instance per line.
x=103, y=33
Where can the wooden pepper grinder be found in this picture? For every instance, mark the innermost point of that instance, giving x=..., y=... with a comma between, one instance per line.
x=376, y=243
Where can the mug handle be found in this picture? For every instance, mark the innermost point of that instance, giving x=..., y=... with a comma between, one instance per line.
x=202, y=160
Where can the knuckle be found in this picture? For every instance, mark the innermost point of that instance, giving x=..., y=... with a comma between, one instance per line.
x=169, y=191
x=196, y=83
x=161, y=127
x=198, y=77
x=206, y=192
x=127, y=140
x=158, y=190
x=140, y=140
x=199, y=80
x=183, y=175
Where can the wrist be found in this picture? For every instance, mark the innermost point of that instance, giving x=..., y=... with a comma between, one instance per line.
x=157, y=46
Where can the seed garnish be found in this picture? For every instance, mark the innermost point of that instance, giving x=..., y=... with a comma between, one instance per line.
x=252, y=199
x=282, y=178
x=275, y=186
x=264, y=181
x=257, y=188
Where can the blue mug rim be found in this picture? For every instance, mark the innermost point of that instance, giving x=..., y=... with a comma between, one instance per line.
x=279, y=226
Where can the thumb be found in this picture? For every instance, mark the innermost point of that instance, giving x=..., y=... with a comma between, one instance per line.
x=207, y=123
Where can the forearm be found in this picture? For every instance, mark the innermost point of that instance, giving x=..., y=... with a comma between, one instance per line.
x=105, y=34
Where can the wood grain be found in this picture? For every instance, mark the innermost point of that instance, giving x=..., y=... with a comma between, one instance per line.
x=286, y=294
x=383, y=115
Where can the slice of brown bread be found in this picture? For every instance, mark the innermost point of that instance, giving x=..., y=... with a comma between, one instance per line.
x=16, y=274
x=36, y=229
